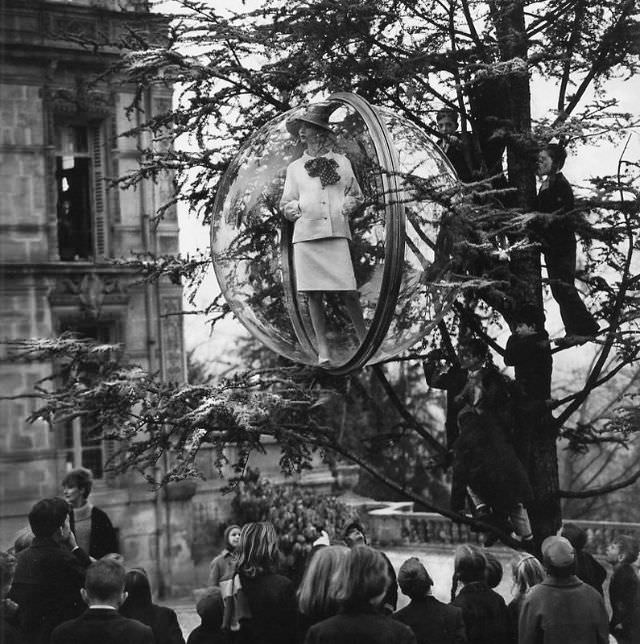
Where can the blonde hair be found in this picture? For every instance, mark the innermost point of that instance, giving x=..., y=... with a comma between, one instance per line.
x=527, y=571
x=258, y=551
x=367, y=577
x=318, y=592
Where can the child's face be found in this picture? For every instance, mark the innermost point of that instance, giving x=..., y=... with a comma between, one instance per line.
x=613, y=553
x=446, y=125
x=545, y=163
x=234, y=538
x=524, y=329
x=470, y=361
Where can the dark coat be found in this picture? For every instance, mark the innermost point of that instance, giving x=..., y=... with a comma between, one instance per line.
x=163, y=622
x=9, y=633
x=485, y=614
x=513, y=608
x=531, y=357
x=453, y=147
x=484, y=458
x=102, y=626
x=557, y=235
x=433, y=622
x=589, y=570
x=452, y=381
x=272, y=602
x=563, y=611
x=103, y=537
x=46, y=586
x=360, y=628
x=202, y=635
x=390, y=600
x=624, y=594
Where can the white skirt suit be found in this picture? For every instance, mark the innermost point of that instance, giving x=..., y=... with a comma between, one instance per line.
x=321, y=235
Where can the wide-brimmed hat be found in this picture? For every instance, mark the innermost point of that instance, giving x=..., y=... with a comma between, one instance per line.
x=317, y=115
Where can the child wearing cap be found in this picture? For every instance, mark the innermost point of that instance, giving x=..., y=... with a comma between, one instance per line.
x=562, y=609
x=624, y=590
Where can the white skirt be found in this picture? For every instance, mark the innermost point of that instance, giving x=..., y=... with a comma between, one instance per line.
x=324, y=265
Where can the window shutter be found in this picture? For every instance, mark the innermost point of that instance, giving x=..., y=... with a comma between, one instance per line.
x=99, y=196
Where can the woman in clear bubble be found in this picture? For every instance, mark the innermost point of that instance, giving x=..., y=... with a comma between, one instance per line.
x=320, y=193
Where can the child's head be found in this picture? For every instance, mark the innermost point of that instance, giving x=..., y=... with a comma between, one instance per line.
x=447, y=120
x=232, y=537
x=469, y=563
x=527, y=320
x=211, y=609
x=527, y=571
x=623, y=549
x=493, y=572
x=472, y=353
x=413, y=579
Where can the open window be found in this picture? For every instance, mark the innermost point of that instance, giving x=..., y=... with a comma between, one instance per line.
x=80, y=191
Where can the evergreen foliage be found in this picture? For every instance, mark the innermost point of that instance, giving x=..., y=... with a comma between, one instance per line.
x=234, y=71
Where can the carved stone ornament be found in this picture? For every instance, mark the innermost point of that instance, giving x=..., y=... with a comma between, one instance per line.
x=88, y=291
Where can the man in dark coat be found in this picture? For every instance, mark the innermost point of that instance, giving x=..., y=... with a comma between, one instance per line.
x=49, y=574
x=562, y=609
x=431, y=621
x=101, y=623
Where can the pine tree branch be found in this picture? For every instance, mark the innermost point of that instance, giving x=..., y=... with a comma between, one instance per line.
x=604, y=50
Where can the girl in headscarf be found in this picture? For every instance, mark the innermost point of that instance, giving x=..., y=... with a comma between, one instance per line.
x=224, y=565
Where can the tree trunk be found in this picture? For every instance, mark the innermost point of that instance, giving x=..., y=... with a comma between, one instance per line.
x=509, y=22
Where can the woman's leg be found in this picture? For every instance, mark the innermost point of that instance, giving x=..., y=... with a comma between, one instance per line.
x=351, y=301
x=319, y=323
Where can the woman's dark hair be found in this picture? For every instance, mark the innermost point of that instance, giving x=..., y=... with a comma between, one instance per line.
x=558, y=154
x=81, y=478
x=494, y=571
x=138, y=588
x=258, y=551
x=366, y=578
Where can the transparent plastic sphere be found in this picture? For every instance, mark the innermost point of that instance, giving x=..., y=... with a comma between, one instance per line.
x=326, y=236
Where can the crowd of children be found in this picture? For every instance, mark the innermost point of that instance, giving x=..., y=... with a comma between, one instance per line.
x=53, y=593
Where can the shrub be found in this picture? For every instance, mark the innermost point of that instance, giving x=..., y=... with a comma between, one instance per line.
x=298, y=514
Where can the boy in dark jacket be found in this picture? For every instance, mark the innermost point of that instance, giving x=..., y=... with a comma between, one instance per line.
x=431, y=621
x=624, y=590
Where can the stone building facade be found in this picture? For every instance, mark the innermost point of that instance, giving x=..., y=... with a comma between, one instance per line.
x=61, y=224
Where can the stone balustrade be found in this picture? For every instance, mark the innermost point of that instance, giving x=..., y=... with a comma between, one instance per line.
x=397, y=525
